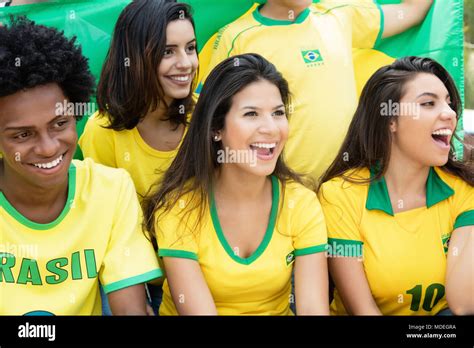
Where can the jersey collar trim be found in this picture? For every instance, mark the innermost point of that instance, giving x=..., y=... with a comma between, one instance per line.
x=378, y=198
x=271, y=22
x=37, y=226
x=268, y=233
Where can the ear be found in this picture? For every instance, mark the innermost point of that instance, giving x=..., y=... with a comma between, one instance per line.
x=393, y=126
x=217, y=136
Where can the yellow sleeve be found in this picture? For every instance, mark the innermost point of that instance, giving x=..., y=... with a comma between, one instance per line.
x=463, y=205
x=221, y=50
x=130, y=258
x=174, y=237
x=310, y=228
x=97, y=142
x=367, y=21
x=342, y=213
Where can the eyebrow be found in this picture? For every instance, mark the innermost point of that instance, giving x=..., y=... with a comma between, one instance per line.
x=255, y=108
x=31, y=127
x=434, y=95
x=187, y=43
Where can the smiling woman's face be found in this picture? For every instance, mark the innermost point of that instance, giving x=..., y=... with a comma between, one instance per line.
x=256, y=123
x=36, y=143
x=427, y=122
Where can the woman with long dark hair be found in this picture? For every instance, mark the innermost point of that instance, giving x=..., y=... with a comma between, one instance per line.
x=145, y=94
x=395, y=193
x=230, y=218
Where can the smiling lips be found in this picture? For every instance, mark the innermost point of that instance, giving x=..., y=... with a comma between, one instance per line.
x=442, y=136
x=264, y=150
x=180, y=79
x=49, y=165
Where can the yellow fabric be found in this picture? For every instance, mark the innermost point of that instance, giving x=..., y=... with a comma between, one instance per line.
x=260, y=284
x=404, y=255
x=125, y=149
x=315, y=56
x=97, y=237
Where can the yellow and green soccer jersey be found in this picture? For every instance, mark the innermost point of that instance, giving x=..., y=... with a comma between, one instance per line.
x=125, y=149
x=314, y=54
x=404, y=254
x=261, y=283
x=55, y=268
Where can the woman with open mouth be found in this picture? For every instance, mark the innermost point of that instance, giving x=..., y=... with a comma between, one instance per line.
x=145, y=95
x=64, y=224
x=395, y=195
x=231, y=232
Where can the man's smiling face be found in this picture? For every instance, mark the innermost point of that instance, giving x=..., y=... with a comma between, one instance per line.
x=37, y=144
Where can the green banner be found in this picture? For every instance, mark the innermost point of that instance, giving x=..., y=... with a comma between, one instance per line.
x=440, y=36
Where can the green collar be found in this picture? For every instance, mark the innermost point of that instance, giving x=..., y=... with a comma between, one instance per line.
x=268, y=233
x=378, y=198
x=37, y=226
x=268, y=21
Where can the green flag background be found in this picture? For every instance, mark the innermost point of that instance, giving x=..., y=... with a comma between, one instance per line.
x=440, y=36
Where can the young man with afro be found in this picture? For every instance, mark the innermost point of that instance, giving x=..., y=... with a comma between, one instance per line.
x=65, y=224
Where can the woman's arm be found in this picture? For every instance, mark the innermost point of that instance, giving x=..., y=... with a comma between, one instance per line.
x=460, y=271
x=128, y=301
x=189, y=289
x=351, y=283
x=400, y=17
x=311, y=284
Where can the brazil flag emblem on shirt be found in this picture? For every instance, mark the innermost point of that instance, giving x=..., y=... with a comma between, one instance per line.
x=312, y=56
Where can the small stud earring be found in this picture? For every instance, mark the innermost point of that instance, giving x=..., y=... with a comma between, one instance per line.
x=216, y=137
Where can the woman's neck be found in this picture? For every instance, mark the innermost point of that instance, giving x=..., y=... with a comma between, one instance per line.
x=240, y=186
x=159, y=115
x=406, y=182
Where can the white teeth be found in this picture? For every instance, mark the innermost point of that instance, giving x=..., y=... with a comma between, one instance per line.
x=264, y=145
x=50, y=164
x=180, y=78
x=444, y=131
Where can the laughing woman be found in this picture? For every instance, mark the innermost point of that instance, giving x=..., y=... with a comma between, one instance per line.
x=395, y=194
x=145, y=91
x=230, y=228
x=145, y=94
x=64, y=225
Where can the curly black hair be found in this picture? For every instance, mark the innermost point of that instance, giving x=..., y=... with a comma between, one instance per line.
x=33, y=55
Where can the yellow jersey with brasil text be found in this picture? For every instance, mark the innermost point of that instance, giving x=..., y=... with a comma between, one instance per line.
x=55, y=268
x=403, y=254
x=314, y=54
x=261, y=283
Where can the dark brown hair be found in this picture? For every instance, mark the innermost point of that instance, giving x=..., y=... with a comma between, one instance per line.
x=195, y=165
x=368, y=139
x=129, y=88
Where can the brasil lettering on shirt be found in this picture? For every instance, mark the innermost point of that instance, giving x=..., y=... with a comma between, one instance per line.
x=59, y=269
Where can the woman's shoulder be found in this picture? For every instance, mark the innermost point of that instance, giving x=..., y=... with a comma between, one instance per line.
x=99, y=120
x=352, y=186
x=456, y=183
x=353, y=179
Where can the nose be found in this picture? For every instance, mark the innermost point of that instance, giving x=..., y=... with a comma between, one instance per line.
x=448, y=112
x=47, y=146
x=184, y=61
x=268, y=125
